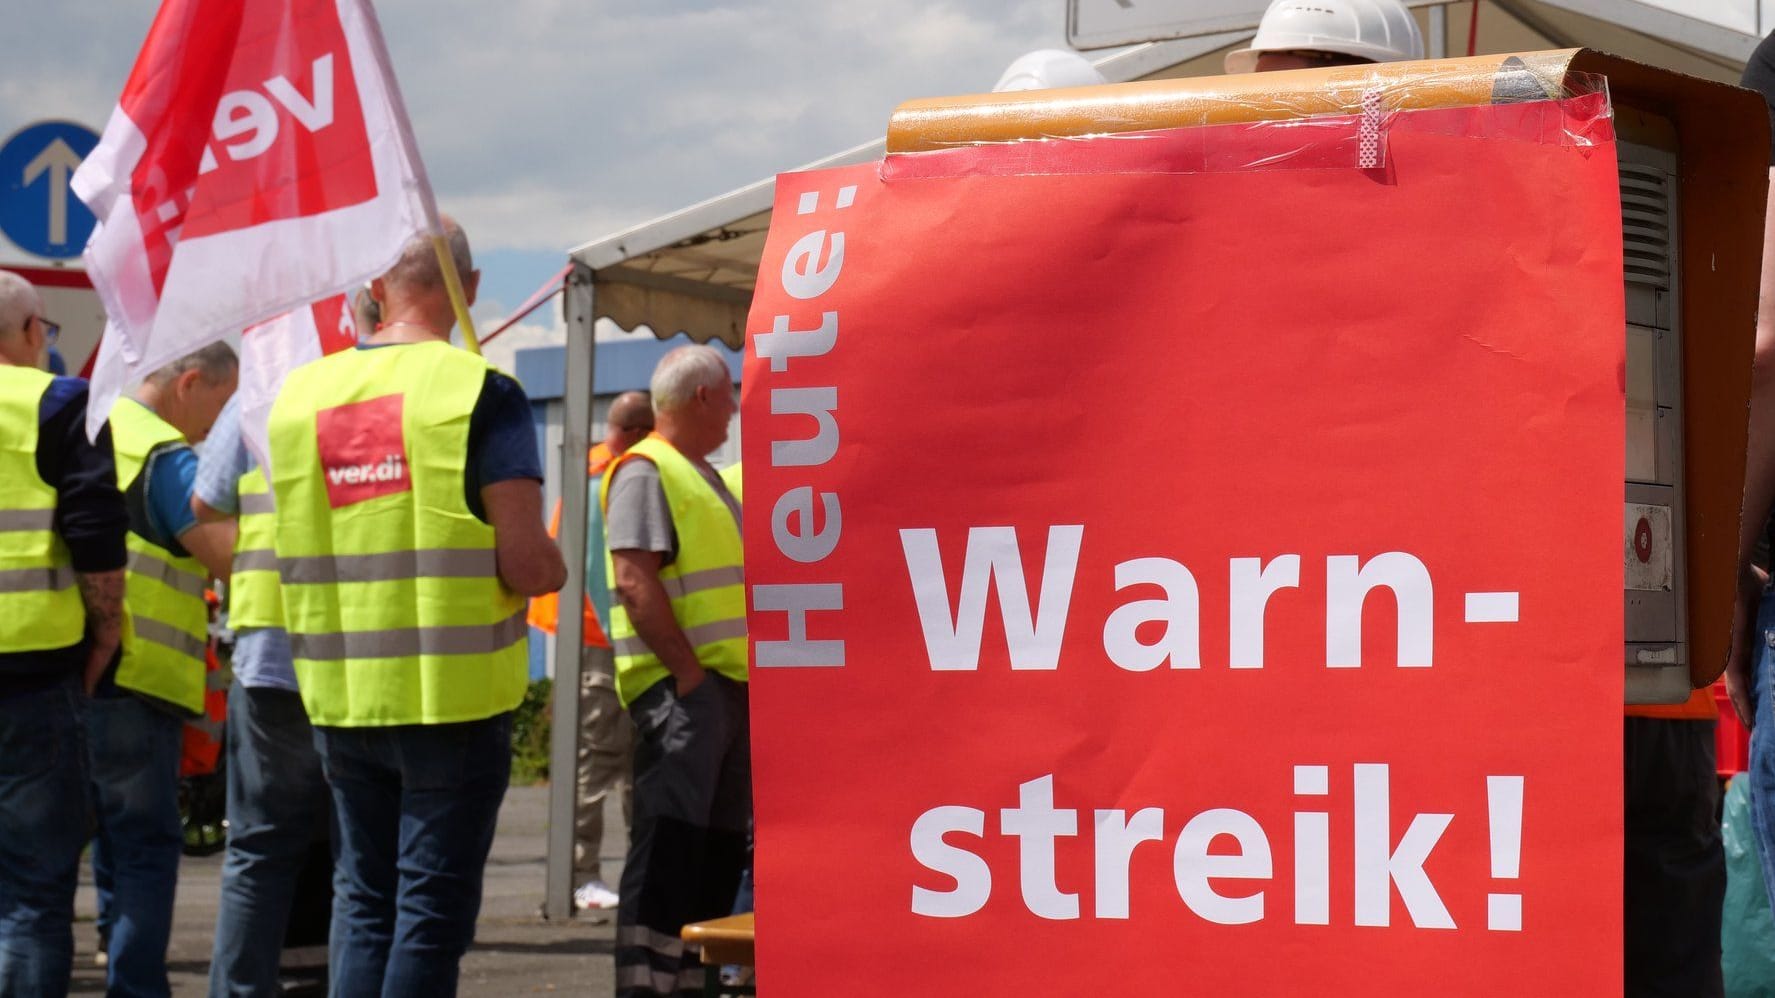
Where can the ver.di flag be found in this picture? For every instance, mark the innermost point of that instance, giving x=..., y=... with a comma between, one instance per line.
x=258, y=159
x=272, y=349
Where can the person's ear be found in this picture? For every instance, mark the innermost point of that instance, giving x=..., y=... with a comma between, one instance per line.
x=186, y=382
x=471, y=286
x=378, y=292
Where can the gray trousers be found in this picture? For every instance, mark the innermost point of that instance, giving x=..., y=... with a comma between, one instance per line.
x=687, y=847
x=606, y=760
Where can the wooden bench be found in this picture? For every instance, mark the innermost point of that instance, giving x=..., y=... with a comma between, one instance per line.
x=724, y=941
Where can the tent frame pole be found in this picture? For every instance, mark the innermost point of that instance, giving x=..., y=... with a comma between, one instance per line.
x=576, y=433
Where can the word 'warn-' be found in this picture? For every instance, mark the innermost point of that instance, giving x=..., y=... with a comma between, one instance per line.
x=1034, y=631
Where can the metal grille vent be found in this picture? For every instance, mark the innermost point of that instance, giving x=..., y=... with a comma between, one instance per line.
x=1645, y=225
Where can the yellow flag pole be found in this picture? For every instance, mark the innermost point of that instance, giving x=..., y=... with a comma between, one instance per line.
x=458, y=301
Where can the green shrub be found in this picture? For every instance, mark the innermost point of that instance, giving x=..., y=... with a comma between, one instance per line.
x=530, y=735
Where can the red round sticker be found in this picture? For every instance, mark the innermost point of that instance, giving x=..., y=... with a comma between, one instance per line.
x=1642, y=540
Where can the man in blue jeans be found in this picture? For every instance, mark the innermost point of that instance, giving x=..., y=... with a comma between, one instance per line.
x=277, y=797
x=156, y=682
x=62, y=523
x=1747, y=672
x=408, y=530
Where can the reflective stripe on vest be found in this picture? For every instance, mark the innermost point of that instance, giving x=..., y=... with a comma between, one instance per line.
x=19, y=521
x=391, y=592
x=332, y=569
x=705, y=583
x=168, y=573
x=470, y=639
x=39, y=607
x=254, y=596
x=165, y=621
x=26, y=580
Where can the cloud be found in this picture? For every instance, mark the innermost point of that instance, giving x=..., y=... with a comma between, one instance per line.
x=544, y=327
x=565, y=122
x=547, y=123
x=503, y=351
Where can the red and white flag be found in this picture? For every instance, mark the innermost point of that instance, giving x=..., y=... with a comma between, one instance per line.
x=259, y=159
x=274, y=348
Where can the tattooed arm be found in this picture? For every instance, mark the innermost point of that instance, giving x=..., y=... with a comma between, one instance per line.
x=90, y=514
x=102, y=592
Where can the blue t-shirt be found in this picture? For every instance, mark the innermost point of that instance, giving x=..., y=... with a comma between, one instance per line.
x=171, y=473
x=262, y=658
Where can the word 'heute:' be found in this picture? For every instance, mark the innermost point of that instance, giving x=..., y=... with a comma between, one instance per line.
x=1209, y=883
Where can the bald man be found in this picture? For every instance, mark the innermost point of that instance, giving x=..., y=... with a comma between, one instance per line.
x=419, y=460
x=62, y=553
x=606, y=752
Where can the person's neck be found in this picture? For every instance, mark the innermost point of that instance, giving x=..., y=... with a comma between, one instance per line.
x=683, y=440
x=411, y=327
x=13, y=354
x=150, y=395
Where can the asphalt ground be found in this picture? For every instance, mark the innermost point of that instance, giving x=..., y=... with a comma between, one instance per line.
x=516, y=951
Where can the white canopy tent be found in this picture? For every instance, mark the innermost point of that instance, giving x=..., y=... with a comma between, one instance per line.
x=693, y=271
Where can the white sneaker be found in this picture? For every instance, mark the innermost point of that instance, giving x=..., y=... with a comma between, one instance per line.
x=593, y=894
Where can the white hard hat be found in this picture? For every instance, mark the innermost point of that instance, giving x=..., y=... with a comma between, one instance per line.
x=1046, y=69
x=1376, y=30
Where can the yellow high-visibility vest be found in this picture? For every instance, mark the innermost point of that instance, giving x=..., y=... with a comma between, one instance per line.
x=731, y=476
x=39, y=606
x=165, y=621
x=254, y=597
x=706, y=583
x=391, y=593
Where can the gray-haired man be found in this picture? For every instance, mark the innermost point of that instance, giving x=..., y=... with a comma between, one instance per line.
x=679, y=632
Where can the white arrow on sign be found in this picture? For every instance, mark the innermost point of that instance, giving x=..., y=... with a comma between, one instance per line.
x=60, y=161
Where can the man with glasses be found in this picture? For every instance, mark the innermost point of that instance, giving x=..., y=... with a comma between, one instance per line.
x=52, y=334
x=62, y=526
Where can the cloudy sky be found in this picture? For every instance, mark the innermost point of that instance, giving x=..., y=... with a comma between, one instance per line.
x=547, y=123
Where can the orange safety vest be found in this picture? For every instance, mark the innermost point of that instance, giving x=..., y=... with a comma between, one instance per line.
x=545, y=610
x=202, y=736
x=1701, y=706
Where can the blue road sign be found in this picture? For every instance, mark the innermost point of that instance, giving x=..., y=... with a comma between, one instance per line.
x=38, y=210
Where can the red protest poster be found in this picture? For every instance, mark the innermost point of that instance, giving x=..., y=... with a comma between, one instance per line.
x=1192, y=570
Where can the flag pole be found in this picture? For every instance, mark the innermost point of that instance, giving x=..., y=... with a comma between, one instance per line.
x=452, y=280
x=433, y=223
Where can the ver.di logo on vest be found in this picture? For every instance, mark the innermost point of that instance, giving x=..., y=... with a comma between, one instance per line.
x=363, y=452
